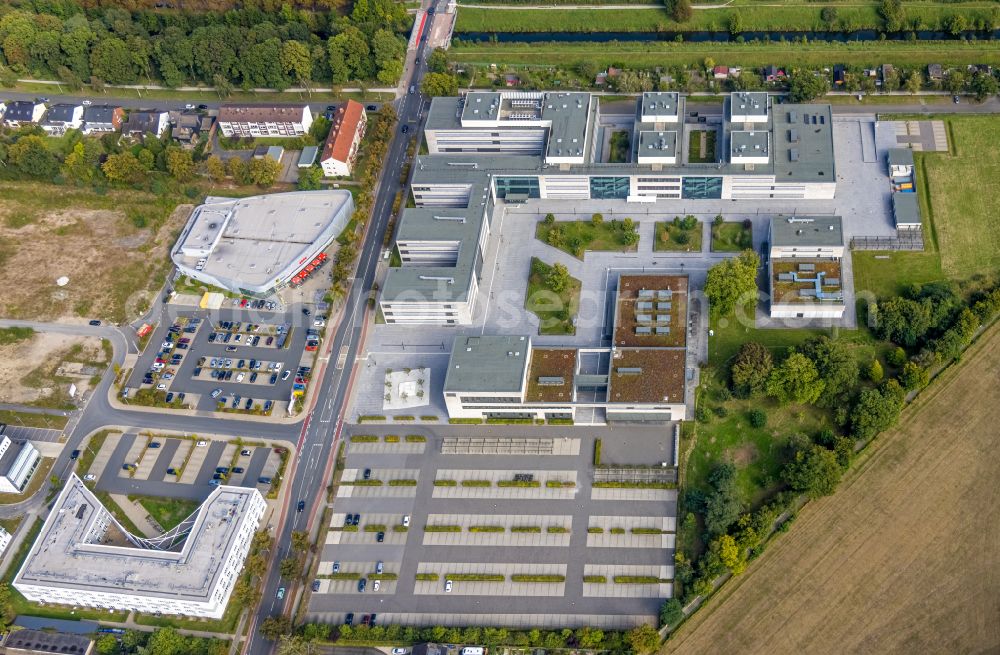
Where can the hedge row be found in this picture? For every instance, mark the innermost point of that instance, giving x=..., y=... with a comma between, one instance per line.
x=442, y=528
x=403, y=482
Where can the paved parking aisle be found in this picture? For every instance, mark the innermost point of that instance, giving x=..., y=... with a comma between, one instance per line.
x=103, y=456
x=182, y=448
x=193, y=466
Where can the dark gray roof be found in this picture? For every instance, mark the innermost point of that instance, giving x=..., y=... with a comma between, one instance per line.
x=61, y=113
x=807, y=231
x=900, y=157
x=905, y=209
x=19, y=110
x=37, y=641
x=142, y=121
x=488, y=364
x=99, y=114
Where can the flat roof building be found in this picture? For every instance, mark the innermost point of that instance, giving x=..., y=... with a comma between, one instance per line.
x=805, y=267
x=84, y=556
x=18, y=461
x=660, y=107
x=906, y=211
x=749, y=107
x=657, y=147
x=807, y=236
x=256, y=245
x=44, y=642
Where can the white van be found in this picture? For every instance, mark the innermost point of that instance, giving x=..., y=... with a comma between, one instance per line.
x=473, y=650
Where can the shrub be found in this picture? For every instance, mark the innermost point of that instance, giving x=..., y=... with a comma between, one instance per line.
x=595, y=530
x=597, y=452
x=896, y=357
x=702, y=414
x=617, y=530
x=392, y=438
x=559, y=484
x=371, y=418
x=476, y=483
x=519, y=483
x=442, y=528
x=363, y=483
x=349, y=528
x=524, y=577
x=598, y=579
x=363, y=438
x=428, y=577
x=445, y=483
x=636, y=579
x=343, y=575
x=400, y=528
x=757, y=418
x=646, y=531
x=403, y=482
x=475, y=577
x=721, y=411
x=557, y=529
x=487, y=528
x=416, y=438
x=526, y=528
x=465, y=421
x=618, y=484
x=374, y=527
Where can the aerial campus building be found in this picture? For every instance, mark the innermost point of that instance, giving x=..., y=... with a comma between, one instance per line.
x=639, y=378
x=805, y=271
x=519, y=146
x=84, y=557
x=257, y=245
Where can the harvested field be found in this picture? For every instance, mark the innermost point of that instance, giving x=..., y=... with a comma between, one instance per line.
x=902, y=559
x=112, y=247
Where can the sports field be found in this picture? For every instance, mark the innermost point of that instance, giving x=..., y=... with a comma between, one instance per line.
x=902, y=559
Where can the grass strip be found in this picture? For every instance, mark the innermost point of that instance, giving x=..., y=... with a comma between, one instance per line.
x=596, y=579
x=363, y=483
x=363, y=438
x=519, y=483
x=557, y=529
x=526, y=577
x=445, y=483
x=617, y=484
x=477, y=483
x=428, y=577
x=526, y=528
x=374, y=527
x=442, y=528
x=636, y=579
x=403, y=482
x=559, y=484
x=475, y=577
x=487, y=528
x=595, y=530
x=416, y=438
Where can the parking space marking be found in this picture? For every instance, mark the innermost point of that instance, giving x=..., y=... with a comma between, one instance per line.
x=193, y=466
x=184, y=447
x=22, y=433
x=103, y=456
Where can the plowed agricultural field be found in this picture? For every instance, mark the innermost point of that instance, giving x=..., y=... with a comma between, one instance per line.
x=904, y=558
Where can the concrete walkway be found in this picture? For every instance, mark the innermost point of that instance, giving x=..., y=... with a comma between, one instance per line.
x=137, y=514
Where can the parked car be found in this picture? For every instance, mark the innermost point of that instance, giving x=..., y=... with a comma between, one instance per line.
x=246, y=452
x=336, y=567
x=264, y=480
x=215, y=394
x=286, y=375
x=315, y=586
x=155, y=444
x=90, y=477
x=95, y=322
x=379, y=567
x=215, y=483
x=376, y=585
x=267, y=405
x=362, y=583
x=380, y=537
x=349, y=619
x=447, y=586
x=406, y=520
x=238, y=469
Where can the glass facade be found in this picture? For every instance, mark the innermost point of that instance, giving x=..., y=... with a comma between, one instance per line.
x=608, y=188
x=524, y=186
x=701, y=188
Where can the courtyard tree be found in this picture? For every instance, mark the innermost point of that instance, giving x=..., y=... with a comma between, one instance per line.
x=751, y=369
x=732, y=281
x=558, y=277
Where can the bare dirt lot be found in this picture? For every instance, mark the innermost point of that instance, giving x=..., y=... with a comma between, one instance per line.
x=112, y=247
x=904, y=558
x=40, y=369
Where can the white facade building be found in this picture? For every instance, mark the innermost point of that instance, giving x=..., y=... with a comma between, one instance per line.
x=5, y=538
x=84, y=557
x=264, y=120
x=18, y=461
x=341, y=147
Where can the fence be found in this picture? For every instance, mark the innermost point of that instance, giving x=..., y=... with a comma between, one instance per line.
x=910, y=240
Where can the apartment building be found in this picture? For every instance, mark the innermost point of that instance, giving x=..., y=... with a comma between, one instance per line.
x=264, y=120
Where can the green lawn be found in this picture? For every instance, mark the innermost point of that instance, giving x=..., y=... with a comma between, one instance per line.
x=89, y=451
x=555, y=311
x=580, y=236
x=753, y=17
x=168, y=512
x=963, y=212
x=698, y=152
x=117, y=512
x=620, y=145
x=671, y=53
x=667, y=238
x=32, y=420
x=886, y=273
x=731, y=237
x=10, y=525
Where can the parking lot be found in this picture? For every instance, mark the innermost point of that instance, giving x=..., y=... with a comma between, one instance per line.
x=453, y=529
x=150, y=465
x=191, y=345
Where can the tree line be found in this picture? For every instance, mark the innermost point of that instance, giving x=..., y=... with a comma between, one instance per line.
x=247, y=47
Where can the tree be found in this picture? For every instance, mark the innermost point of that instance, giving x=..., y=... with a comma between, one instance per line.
x=795, y=380
x=296, y=61
x=732, y=281
x=805, y=86
x=300, y=541
x=730, y=554
x=437, y=61
x=813, y=470
x=106, y=645
x=357, y=55
x=167, y=641
x=550, y=219
x=146, y=158
x=877, y=410
x=983, y=85
x=956, y=24
x=180, y=164
x=216, y=168
x=274, y=627
x=558, y=277
x=680, y=10
x=643, y=639
x=757, y=418
x=828, y=15
x=596, y=219
x=896, y=357
x=836, y=365
x=310, y=178
x=954, y=81
x=290, y=567
x=439, y=84
x=735, y=23
x=914, y=81
x=874, y=371
x=111, y=60
x=671, y=612
x=264, y=171
x=82, y=162
x=124, y=168
x=893, y=15
x=31, y=156
x=722, y=502
x=751, y=369
x=903, y=320
x=914, y=376
x=294, y=645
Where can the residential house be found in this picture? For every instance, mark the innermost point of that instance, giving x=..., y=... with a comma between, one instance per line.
x=839, y=75
x=511, y=80
x=886, y=71
x=62, y=117
x=143, y=122
x=774, y=74
x=190, y=127
x=341, y=147
x=98, y=119
x=935, y=73
x=264, y=120
x=23, y=112
x=721, y=72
